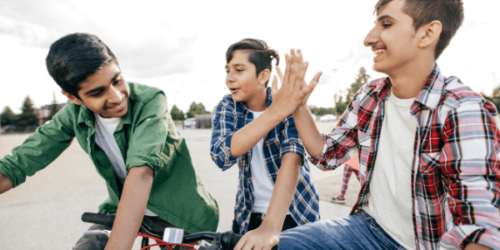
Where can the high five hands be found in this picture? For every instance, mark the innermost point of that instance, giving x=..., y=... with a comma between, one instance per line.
x=294, y=90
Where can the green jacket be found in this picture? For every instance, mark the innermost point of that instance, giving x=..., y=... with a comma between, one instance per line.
x=146, y=135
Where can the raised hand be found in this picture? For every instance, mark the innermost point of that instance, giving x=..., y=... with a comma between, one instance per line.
x=294, y=90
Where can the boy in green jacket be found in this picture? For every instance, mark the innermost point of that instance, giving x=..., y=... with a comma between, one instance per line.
x=127, y=131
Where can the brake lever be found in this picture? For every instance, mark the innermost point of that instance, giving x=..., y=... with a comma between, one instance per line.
x=216, y=244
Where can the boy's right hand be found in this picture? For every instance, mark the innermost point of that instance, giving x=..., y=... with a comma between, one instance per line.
x=294, y=90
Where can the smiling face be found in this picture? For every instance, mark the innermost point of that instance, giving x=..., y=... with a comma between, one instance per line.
x=243, y=82
x=106, y=92
x=393, y=39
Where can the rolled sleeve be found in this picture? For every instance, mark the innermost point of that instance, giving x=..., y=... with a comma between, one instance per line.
x=148, y=141
x=470, y=164
x=223, y=130
x=39, y=149
x=290, y=142
x=341, y=144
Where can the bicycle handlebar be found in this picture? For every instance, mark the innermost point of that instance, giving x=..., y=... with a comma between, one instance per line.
x=223, y=241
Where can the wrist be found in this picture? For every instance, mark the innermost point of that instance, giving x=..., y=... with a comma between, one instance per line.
x=278, y=113
x=272, y=224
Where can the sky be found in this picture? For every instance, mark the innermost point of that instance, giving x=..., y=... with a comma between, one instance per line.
x=179, y=46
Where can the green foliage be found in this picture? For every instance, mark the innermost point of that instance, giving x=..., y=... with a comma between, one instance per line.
x=196, y=109
x=320, y=111
x=177, y=114
x=8, y=117
x=360, y=80
x=28, y=117
x=494, y=97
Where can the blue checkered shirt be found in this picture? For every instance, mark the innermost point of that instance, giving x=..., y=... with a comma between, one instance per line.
x=230, y=117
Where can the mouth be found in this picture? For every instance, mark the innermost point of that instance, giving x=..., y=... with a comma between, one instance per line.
x=233, y=90
x=119, y=107
x=378, y=51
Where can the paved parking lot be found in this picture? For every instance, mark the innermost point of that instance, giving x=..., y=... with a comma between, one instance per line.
x=44, y=212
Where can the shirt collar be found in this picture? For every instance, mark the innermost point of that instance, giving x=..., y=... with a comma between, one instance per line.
x=87, y=117
x=241, y=106
x=429, y=95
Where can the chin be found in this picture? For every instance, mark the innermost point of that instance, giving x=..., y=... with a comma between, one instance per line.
x=379, y=68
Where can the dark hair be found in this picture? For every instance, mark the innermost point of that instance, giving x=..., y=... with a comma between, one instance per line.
x=75, y=57
x=259, y=54
x=449, y=12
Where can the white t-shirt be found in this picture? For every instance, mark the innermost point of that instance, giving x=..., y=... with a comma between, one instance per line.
x=390, y=201
x=104, y=130
x=261, y=181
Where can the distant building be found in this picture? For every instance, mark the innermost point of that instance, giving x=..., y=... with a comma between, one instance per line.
x=43, y=114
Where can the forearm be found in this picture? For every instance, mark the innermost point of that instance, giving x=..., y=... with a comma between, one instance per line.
x=284, y=189
x=131, y=208
x=247, y=137
x=475, y=246
x=5, y=184
x=309, y=134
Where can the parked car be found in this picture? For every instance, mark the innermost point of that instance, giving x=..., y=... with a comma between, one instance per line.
x=190, y=123
x=328, y=118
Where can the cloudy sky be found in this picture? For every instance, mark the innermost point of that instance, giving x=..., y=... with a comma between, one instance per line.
x=179, y=46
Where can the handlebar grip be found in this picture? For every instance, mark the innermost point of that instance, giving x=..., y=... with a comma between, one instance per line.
x=103, y=219
x=233, y=240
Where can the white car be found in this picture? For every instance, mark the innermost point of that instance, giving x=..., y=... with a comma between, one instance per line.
x=190, y=123
x=328, y=118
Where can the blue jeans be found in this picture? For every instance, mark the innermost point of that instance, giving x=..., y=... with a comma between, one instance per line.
x=357, y=231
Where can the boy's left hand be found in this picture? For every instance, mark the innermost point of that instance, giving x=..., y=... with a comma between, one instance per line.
x=262, y=238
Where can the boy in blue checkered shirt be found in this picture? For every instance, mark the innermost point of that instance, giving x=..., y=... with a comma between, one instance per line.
x=275, y=191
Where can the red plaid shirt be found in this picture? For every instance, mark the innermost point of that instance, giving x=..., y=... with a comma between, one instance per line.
x=456, y=159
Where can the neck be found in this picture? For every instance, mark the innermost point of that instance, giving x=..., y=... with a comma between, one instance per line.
x=258, y=102
x=407, y=82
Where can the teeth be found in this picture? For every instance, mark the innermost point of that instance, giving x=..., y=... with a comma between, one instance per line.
x=379, y=51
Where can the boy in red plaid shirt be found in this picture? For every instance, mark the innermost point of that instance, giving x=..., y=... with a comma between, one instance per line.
x=428, y=146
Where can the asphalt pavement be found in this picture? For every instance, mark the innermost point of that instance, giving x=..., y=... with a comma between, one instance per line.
x=44, y=212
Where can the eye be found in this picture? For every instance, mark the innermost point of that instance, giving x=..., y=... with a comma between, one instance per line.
x=96, y=94
x=239, y=70
x=117, y=82
x=386, y=24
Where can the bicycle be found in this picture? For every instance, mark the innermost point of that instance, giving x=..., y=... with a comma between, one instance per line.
x=168, y=237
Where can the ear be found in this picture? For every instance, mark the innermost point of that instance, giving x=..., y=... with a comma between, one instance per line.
x=430, y=33
x=264, y=76
x=72, y=98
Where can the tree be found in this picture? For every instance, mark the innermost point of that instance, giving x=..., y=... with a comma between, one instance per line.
x=28, y=117
x=8, y=117
x=494, y=97
x=360, y=80
x=54, y=107
x=196, y=109
x=176, y=113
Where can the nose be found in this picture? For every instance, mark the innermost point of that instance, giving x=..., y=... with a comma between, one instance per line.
x=230, y=77
x=115, y=95
x=371, y=38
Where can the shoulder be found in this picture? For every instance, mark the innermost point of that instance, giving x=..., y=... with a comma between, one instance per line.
x=373, y=88
x=144, y=93
x=227, y=102
x=459, y=97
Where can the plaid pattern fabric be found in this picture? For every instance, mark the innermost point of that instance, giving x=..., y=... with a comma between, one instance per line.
x=455, y=163
x=345, y=179
x=230, y=117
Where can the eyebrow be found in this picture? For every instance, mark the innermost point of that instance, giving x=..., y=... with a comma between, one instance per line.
x=101, y=88
x=380, y=18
